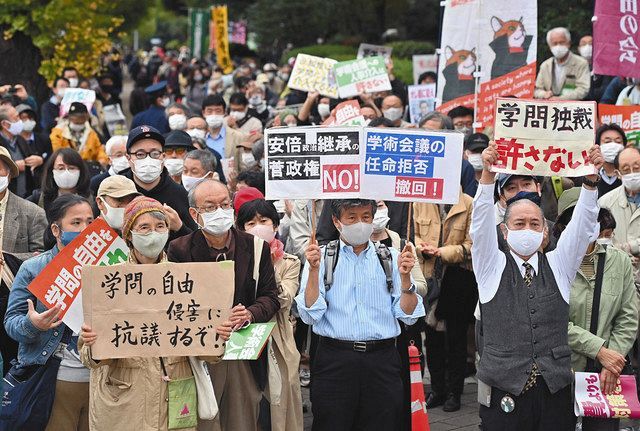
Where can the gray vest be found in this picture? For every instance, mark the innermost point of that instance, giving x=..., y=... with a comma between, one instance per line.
x=521, y=325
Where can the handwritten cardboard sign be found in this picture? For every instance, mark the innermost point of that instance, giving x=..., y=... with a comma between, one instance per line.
x=544, y=138
x=311, y=73
x=166, y=309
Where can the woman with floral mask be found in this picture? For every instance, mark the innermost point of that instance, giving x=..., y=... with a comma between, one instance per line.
x=260, y=218
x=42, y=337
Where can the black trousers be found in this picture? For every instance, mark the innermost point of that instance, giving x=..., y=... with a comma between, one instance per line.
x=446, y=354
x=536, y=410
x=355, y=391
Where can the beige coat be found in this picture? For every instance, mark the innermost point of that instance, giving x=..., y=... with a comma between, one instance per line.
x=287, y=414
x=576, y=74
x=456, y=242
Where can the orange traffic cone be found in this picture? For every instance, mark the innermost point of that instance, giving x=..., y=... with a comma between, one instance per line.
x=419, y=417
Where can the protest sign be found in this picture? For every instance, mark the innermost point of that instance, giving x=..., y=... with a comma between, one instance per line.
x=311, y=73
x=60, y=281
x=312, y=162
x=422, y=100
x=198, y=25
x=368, y=75
x=616, y=38
x=238, y=31
x=591, y=402
x=495, y=45
x=163, y=309
x=369, y=50
x=221, y=31
x=248, y=343
x=424, y=63
x=411, y=165
x=627, y=117
x=544, y=138
x=71, y=95
x=345, y=114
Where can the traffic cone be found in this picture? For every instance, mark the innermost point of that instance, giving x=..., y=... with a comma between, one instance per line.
x=419, y=417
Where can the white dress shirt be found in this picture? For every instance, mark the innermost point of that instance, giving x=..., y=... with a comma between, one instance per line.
x=489, y=261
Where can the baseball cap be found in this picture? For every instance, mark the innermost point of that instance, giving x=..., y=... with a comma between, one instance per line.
x=476, y=141
x=502, y=179
x=117, y=186
x=144, y=132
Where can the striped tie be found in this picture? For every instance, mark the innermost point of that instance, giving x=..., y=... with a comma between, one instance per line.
x=528, y=274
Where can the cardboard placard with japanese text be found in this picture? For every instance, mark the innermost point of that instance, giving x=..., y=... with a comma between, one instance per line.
x=544, y=138
x=248, y=343
x=345, y=114
x=411, y=165
x=312, y=162
x=369, y=50
x=311, y=73
x=163, y=309
x=591, y=402
x=60, y=281
x=368, y=75
x=422, y=100
x=627, y=117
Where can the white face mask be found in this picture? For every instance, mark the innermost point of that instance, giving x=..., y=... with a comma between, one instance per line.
x=586, y=51
x=248, y=159
x=559, y=51
x=177, y=122
x=476, y=161
x=114, y=216
x=15, y=128
x=60, y=92
x=524, y=242
x=76, y=127
x=166, y=101
x=214, y=121
x=4, y=183
x=66, y=179
x=604, y=241
x=149, y=244
x=119, y=164
x=631, y=181
x=255, y=100
x=217, y=222
x=197, y=133
x=174, y=166
x=357, y=233
x=73, y=82
x=190, y=182
x=324, y=110
x=381, y=219
x=148, y=170
x=292, y=124
x=238, y=115
x=28, y=126
x=263, y=231
x=610, y=151
x=392, y=114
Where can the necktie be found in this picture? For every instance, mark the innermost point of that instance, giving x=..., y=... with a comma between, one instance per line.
x=528, y=274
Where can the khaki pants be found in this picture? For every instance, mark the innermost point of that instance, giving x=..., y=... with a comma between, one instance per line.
x=70, y=407
x=237, y=395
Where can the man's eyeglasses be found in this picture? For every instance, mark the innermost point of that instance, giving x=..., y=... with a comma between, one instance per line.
x=212, y=208
x=180, y=151
x=154, y=154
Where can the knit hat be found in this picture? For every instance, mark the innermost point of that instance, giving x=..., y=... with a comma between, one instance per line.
x=135, y=209
x=245, y=195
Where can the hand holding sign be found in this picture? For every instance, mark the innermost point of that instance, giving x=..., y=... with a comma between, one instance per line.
x=87, y=335
x=608, y=381
x=596, y=160
x=47, y=319
x=313, y=255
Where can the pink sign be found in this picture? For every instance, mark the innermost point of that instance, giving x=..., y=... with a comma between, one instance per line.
x=616, y=38
x=590, y=401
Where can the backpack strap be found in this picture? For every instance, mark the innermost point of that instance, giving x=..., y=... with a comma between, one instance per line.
x=386, y=260
x=331, y=251
x=257, y=256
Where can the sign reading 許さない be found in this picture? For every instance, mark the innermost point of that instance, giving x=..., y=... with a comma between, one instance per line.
x=544, y=138
x=164, y=309
x=312, y=162
x=60, y=283
x=411, y=165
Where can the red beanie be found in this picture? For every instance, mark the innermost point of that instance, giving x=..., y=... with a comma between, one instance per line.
x=245, y=195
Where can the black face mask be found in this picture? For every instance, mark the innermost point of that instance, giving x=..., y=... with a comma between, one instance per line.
x=107, y=88
x=532, y=196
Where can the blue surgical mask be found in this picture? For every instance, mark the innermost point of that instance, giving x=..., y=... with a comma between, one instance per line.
x=67, y=237
x=532, y=196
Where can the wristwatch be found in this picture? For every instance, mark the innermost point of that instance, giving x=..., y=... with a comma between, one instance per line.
x=590, y=183
x=411, y=289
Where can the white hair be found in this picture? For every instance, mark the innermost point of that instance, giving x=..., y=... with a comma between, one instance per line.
x=114, y=140
x=562, y=30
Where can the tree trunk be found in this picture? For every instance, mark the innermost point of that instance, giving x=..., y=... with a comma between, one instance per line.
x=19, y=63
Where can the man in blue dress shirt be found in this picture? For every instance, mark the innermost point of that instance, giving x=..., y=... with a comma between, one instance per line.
x=356, y=371
x=154, y=115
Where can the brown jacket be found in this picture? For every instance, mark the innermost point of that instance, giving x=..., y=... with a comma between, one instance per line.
x=456, y=242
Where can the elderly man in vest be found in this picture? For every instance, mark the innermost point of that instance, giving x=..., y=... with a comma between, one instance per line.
x=524, y=299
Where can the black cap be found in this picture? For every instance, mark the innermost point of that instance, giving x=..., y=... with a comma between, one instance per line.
x=476, y=141
x=144, y=132
x=178, y=138
x=77, y=108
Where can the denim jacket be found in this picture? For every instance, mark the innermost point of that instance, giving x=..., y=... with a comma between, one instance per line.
x=35, y=346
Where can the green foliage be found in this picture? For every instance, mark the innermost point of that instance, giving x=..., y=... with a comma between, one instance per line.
x=409, y=48
x=574, y=15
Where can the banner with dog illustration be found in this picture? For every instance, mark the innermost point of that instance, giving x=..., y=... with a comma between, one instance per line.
x=489, y=48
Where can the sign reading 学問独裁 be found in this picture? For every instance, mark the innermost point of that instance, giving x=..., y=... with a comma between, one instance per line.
x=544, y=138
x=164, y=309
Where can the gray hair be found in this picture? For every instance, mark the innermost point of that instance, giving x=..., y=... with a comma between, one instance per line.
x=206, y=159
x=4, y=113
x=518, y=203
x=184, y=109
x=339, y=205
x=562, y=30
x=445, y=121
x=192, y=192
x=114, y=140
